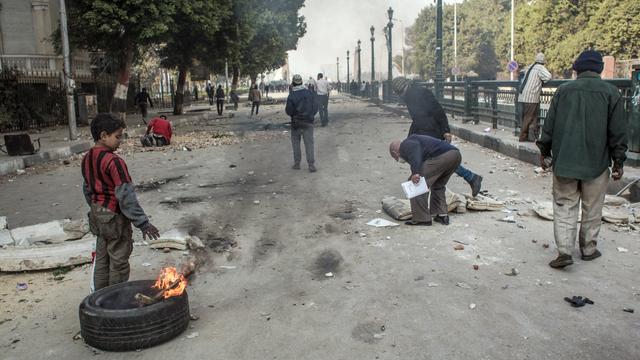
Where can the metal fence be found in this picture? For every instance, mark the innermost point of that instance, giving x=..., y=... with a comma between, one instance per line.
x=30, y=102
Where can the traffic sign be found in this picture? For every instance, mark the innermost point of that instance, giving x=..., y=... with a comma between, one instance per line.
x=455, y=71
x=512, y=66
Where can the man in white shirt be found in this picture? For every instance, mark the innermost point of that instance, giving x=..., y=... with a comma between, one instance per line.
x=322, y=97
x=529, y=96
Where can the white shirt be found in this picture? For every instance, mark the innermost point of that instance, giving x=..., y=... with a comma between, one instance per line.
x=322, y=87
x=531, y=91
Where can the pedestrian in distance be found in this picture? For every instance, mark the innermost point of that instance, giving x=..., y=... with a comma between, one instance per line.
x=435, y=160
x=529, y=96
x=235, y=99
x=302, y=108
x=158, y=132
x=255, y=97
x=220, y=99
x=266, y=91
x=584, y=134
x=143, y=100
x=209, y=90
x=428, y=118
x=110, y=193
x=322, y=96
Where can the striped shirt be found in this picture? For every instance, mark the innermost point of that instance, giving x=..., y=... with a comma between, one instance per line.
x=538, y=75
x=103, y=171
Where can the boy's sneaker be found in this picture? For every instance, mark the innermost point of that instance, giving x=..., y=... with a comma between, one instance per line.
x=561, y=261
x=596, y=254
x=296, y=166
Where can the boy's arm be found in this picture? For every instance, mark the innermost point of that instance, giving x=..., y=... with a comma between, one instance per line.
x=129, y=205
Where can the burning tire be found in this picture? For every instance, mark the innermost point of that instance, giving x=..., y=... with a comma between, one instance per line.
x=111, y=319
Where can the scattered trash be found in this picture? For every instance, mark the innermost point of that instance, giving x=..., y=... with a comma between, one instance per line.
x=508, y=219
x=505, y=287
x=378, y=211
x=629, y=310
x=623, y=250
x=463, y=285
x=546, y=246
x=250, y=173
x=458, y=247
x=194, y=317
x=192, y=335
x=513, y=272
x=460, y=242
x=256, y=202
x=226, y=267
x=379, y=222
x=328, y=275
x=21, y=286
x=432, y=284
x=232, y=166
x=476, y=267
x=487, y=130
x=77, y=336
x=146, y=264
x=472, y=306
x=578, y=301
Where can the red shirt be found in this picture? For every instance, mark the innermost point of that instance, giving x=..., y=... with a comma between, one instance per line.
x=160, y=126
x=103, y=171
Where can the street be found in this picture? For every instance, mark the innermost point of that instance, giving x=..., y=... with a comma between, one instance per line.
x=396, y=293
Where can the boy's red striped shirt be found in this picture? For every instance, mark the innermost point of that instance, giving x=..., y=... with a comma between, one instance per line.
x=103, y=171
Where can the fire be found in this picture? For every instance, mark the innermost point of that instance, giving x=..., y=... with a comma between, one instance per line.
x=171, y=281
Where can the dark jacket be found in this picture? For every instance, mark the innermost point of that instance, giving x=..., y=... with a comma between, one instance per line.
x=219, y=94
x=426, y=112
x=301, y=105
x=585, y=128
x=142, y=98
x=417, y=148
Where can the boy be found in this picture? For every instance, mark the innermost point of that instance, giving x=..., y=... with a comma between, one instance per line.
x=109, y=192
x=158, y=133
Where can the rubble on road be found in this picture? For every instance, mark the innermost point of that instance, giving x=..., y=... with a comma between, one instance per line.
x=53, y=232
x=400, y=209
x=624, y=213
x=14, y=258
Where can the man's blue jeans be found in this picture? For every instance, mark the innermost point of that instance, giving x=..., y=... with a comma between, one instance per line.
x=465, y=173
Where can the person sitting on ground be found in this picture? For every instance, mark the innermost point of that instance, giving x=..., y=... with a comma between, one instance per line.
x=235, y=99
x=435, y=160
x=255, y=96
x=158, y=132
x=428, y=118
x=110, y=193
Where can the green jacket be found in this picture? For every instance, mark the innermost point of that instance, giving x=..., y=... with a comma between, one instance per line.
x=585, y=128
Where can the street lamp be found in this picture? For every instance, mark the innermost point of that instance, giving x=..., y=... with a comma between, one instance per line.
x=359, y=50
x=348, y=79
x=373, y=66
x=337, y=69
x=439, y=71
x=389, y=49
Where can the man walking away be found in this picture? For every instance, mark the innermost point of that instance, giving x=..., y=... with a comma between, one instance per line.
x=219, y=99
x=302, y=108
x=428, y=118
x=529, y=95
x=585, y=132
x=255, y=97
x=209, y=90
x=435, y=160
x=322, y=88
x=235, y=99
x=142, y=99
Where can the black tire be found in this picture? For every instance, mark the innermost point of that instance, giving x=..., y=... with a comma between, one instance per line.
x=109, y=323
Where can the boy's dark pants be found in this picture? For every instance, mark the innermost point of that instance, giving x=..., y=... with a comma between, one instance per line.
x=113, y=246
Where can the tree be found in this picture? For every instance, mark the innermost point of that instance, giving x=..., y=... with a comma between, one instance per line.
x=121, y=28
x=192, y=38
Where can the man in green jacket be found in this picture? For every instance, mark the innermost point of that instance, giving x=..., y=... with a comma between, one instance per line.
x=585, y=132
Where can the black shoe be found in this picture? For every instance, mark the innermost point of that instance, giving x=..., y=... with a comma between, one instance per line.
x=561, y=261
x=596, y=254
x=444, y=220
x=312, y=168
x=476, y=185
x=296, y=166
x=418, y=223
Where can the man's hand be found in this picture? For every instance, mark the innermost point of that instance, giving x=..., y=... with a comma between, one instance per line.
x=150, y=231
x=415, y=178
x=617, y=171
x=447, y=137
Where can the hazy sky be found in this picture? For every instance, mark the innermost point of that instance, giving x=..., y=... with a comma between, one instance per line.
x=334, y=26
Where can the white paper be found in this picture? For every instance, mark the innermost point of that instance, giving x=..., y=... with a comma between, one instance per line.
x=379, y=222
x=412, y=190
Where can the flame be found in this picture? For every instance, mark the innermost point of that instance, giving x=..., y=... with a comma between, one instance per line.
x=172, y=280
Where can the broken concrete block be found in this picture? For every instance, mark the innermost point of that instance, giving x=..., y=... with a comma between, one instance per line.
x=6, y=238
x=483, y=203
x=617, y=215
x=544, y=210
x=173, y=239
x=52, y=232
x=3, y=222
x=78, y=252
x=194, y=242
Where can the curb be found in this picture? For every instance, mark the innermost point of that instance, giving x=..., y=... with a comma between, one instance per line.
x=13, y=165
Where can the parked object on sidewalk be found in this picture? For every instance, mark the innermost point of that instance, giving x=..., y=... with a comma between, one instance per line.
x=19, y=145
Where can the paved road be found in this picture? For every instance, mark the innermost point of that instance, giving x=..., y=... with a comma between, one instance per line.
x=277, y=304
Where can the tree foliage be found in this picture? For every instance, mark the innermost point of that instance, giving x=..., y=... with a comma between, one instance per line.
x=560, y=29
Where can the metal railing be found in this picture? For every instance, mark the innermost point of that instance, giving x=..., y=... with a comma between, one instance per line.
x=44, y=66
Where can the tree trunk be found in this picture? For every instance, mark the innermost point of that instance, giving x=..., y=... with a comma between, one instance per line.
x=178, y=106
x=235, y=77
x=119, y=104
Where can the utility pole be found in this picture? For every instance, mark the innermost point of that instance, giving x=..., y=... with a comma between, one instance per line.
x=513, y=16
x=359, y=50
x=337, y=69
x=68, y=81
x=348, y=79
x=455, y=40
x=390, y=50
x=373, y=58
x=439, y=71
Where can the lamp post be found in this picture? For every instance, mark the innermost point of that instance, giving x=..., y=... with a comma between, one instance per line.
x=337, y=69
x=348, y=79
x=359, y=50
x=439, y=73
x=373, y=57
x=389, y=50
